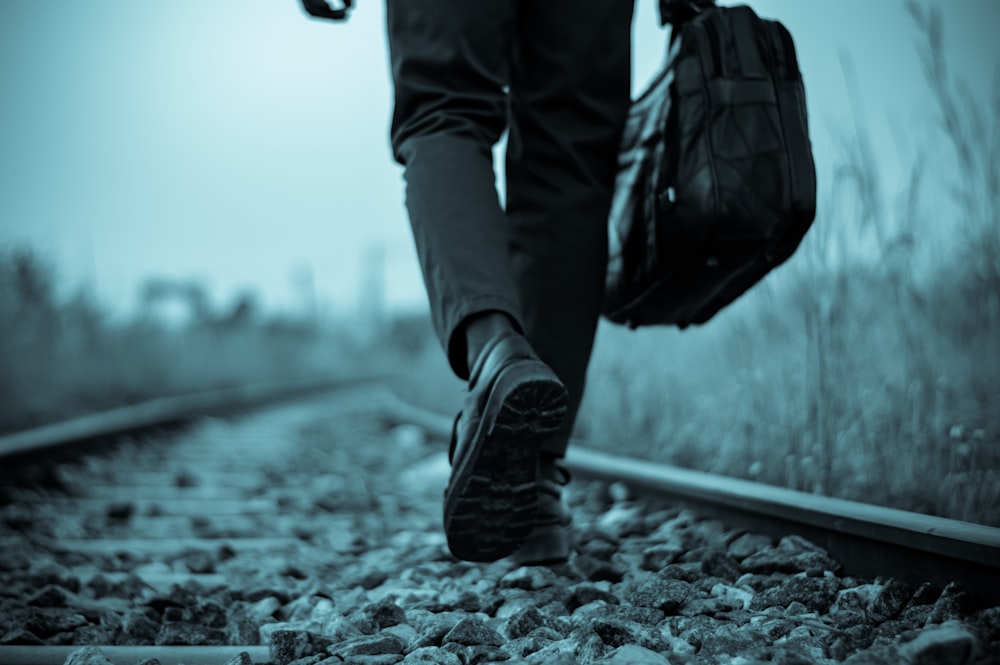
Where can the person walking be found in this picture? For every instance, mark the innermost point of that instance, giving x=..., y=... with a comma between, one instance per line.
x=515, y=291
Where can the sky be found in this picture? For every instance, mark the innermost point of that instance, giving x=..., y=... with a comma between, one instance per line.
x=240, y=143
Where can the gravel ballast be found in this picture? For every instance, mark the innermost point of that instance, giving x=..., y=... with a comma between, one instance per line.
x=355, y=568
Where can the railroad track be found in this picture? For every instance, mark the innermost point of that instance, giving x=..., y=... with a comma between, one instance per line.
x=311, y=530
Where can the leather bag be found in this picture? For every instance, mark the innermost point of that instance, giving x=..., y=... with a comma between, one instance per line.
x=716, y=183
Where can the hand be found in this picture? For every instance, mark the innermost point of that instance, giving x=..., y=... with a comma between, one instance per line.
x=322, y=9
x=677, y=12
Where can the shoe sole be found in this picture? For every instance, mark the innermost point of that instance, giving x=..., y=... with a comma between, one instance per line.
x=492, y=501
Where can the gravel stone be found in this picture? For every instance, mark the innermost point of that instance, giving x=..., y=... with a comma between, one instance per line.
x=53, y=574
x=555, y=609
x=591, y=650
x=847, y=618
x=89, y=635
x=457, y=600
x=548, y=633
x=648, y=616
x=776, y=560
x=694, y=630
x=523, y=622
x=208, y=613
x=288, y=645
x=340, y=629
x=803, y=649
x=259, y=593
x=732, y=640
x=880, y=655
x=372, y=579
x=660, y=593
x=47, y=622
x=986, y=624
x=582, y=594
x=733, y=597
x=748, y=544
x=384, y=613
x=183, y=633
x=21, y=637
x=379, y=659
x=562, y=652
x=622, y=520
x=242, y=658
x=199, y=562
x=657, y=557
x=173, y=614
x=178, y=596
x=617, y=632
x=530, y=578
x=891, y=599
x=314, y=659
x=525, y=646
x=816, y=593
x=950, y=644
x=434, y=655
x=50, y=596
x=241, y=626
x=600, y=548
x=792, y=555
x=851, y=640
x=949, y=605
x=855, y=599
x=632, y=654
x=471, y=632
x=434, y=627
x=132, y=587
x=686, y=572
x=799, y=545
x=88, y=656
x=139, y=627
x=405, y=632
x=369, y=645
x=718, y=563
x=926, y=594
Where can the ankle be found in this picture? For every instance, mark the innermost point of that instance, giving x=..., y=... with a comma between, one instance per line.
x=480, y=329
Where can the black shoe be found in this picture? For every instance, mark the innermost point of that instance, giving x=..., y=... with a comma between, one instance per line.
x=515, y=404
x=550, y=540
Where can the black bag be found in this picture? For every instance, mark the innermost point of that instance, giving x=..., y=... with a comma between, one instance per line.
x=716, y=183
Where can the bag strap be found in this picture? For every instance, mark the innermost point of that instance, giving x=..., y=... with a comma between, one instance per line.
x=742, y=21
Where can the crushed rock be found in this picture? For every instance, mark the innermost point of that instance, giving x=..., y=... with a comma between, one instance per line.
x=369, y=578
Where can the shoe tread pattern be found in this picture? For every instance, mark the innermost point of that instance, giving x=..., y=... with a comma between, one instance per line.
x=492, y=503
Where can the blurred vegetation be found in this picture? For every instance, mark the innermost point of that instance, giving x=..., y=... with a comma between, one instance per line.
x=62, y=357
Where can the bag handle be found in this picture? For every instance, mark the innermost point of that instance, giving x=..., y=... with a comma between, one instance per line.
x=322, y=9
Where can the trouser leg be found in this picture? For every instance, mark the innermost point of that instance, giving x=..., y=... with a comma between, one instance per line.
x=570, y=90
x=450, y=66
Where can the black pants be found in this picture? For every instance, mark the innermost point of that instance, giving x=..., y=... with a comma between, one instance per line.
x=556, y=74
